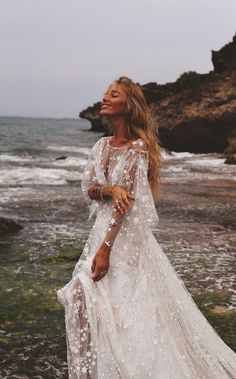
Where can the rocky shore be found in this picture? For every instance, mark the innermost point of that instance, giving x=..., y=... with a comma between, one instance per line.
x=197, y=112
x=39, y=259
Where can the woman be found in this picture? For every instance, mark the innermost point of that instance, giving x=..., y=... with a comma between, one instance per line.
x=128, y=314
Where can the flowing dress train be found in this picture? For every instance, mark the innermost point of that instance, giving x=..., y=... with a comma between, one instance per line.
x=139, y=321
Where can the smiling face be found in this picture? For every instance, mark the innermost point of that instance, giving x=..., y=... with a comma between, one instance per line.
x=114, y=101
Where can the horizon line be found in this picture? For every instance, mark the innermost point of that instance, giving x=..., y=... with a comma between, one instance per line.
x=44, y=117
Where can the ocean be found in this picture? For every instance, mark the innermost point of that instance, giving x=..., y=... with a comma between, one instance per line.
x=29, y=149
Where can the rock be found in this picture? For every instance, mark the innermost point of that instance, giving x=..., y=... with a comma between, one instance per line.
x=197, y=112
x=62, y=157
x=5, y=243
x=9, y=226
x=92, y=114
x=225, y=58
x=230, y=151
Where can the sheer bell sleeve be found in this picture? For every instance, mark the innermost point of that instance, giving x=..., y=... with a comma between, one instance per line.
x=134, y=174
x=89, y=174
x=92, y=174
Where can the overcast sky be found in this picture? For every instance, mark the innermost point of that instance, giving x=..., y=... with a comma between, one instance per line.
x=58, y=56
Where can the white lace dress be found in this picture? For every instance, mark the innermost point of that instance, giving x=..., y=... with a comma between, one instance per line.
x=138, y=321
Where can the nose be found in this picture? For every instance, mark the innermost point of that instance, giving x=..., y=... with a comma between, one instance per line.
x=104, y=97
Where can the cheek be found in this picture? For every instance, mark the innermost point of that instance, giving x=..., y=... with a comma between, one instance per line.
x=121, y=106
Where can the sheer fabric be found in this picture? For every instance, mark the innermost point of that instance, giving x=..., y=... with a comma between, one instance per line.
x=139, y=321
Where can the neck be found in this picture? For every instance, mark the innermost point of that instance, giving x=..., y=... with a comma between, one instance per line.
x=119, y=127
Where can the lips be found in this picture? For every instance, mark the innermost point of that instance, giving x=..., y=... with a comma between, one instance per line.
x=104, y=105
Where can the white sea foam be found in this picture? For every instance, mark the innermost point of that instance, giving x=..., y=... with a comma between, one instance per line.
x=70, y=161
x=176, y=174
x=212, y=159
x=175, y=155
x=36, y=175
x=14, y=194
x=73, y=149
x=200, y=160
x=182, y=166
x=14, y=158
x=207, y=161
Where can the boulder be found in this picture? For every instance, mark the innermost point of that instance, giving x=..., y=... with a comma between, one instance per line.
x=8, y=225
x=61, y=158
x=230, y=151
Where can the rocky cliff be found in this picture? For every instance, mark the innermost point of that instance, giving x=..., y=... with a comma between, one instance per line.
x=197, y=112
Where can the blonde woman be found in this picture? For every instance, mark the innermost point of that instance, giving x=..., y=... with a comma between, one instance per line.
x=128, y=314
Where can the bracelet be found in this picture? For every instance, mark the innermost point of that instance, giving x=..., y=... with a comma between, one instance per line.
x=108, y=243
x=101, y=190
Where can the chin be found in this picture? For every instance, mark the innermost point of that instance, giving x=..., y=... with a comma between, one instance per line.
x=104, y=113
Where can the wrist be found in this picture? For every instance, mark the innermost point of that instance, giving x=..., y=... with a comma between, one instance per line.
x=106, y=248
x=108, y=191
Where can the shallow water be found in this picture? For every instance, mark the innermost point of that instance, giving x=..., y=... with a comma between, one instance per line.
x=196, y=231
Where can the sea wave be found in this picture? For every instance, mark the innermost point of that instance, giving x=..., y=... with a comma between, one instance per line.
x=176, y=155
x=69, y=162
x=15, y=158
x=37, y=175
x=193, y=157
x=73, y=149
x=212, y=159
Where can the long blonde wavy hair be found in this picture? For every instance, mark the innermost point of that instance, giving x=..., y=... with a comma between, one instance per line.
x=142, y=124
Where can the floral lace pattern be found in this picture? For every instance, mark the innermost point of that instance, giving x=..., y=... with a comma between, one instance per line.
x=138, y=321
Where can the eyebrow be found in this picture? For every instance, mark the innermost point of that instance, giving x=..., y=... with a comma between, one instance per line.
x=113, y=90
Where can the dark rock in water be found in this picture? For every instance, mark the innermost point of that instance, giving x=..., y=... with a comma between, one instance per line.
x=230, y=152
x=62, y=157
x=9, y=226
x=197, y=112
x=73, y=181
x=4, y=244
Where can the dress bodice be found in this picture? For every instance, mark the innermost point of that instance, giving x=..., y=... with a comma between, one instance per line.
x=125, y=166
x=113, y=158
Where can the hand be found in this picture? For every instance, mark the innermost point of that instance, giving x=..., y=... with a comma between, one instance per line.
x=100, y=264
x=120, y=198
